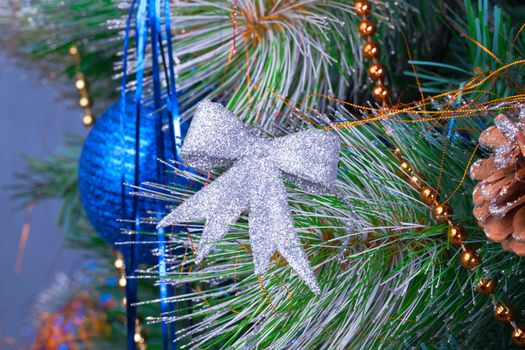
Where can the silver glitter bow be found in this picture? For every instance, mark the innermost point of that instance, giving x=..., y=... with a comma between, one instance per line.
x=217, y=138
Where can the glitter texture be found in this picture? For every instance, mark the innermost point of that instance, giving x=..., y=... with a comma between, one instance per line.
x=506, y=126
x=253, y=184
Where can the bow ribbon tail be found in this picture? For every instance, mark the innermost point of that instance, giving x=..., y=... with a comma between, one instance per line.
x=272, y=229
x=220, y=204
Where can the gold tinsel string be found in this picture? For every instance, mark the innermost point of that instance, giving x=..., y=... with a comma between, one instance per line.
x=415, y=108
x=442, y=211
x=81, y=84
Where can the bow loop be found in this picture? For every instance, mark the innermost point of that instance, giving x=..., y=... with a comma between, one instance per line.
x=308, y=158
x=216, y=138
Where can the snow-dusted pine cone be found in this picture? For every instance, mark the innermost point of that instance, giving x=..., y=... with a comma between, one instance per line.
x=499, y=197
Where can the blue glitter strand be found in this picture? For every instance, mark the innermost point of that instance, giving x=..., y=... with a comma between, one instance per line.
x=173, y=104
x=131, y=266
x=154, y=9
x=176, y=133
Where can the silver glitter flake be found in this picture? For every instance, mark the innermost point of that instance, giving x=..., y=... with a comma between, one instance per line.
x=506, y=126
x=521, y=115
x=253, y=184
x=474, y=168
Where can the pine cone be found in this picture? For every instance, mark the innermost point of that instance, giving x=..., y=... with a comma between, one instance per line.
x=499, y=197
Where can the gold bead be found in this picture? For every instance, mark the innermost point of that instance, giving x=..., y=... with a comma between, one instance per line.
x=469, y=259
x=456, y=234
x=80, y=84
x=122, y=282
x=380, y=92
x=405, y=166
x=362, y=7
x=428, y=195
x=73, y=50
x=83, y=102
x=370, y=49
x=88, y=120
x=502, y=312
x=376, y=71
x=367, y=27
x=119, y=263
x=415, y=181
x=138, y=338
x=442, y=212
x=486, y=286
x=518, y=335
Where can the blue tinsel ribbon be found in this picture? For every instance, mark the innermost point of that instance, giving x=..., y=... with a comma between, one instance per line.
x=147, y=19
x=176, y=133
x=131, y=259
x=156, y=41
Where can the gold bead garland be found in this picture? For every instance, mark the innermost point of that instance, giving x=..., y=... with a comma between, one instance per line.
x=429, y=196
x=457, y=236
x=518, y=335
x=139, y=338
x=84, y=101
x=376, y=71
x=88, y=120
x=503, y=313
x=363, y=7
x=486, y=286
x=121, y=269
x=119, y=264
x=371, y=50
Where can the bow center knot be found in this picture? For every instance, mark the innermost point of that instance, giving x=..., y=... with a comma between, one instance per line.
x=261, y=148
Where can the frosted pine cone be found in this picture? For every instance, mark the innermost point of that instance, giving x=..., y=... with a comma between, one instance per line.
x=499, y=197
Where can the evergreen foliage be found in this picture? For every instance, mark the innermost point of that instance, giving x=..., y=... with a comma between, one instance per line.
x=389, y=278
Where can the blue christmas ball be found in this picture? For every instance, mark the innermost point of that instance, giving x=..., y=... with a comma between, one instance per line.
x=108, y=166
